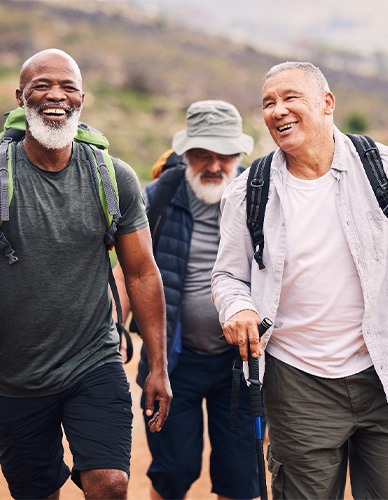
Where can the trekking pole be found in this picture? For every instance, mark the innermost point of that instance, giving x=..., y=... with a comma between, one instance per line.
x=257, y=409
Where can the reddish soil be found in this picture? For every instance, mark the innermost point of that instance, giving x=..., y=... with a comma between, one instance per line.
x=139, y=484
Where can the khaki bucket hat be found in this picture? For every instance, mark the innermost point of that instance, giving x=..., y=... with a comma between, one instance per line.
x=213, y=125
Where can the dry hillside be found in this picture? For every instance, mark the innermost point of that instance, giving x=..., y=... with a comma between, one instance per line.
x=141, y=72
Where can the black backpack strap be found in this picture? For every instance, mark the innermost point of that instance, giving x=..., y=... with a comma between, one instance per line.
x=257, y=197
x=119, y=313
x=373, y=166
x=174, y=160
x=167, y=185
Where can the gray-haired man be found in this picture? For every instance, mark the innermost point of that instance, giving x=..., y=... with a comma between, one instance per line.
x=200, y=365
x=324, y=285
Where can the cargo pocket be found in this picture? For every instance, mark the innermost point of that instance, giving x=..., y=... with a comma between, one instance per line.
x=125, y=398
x=276, y=469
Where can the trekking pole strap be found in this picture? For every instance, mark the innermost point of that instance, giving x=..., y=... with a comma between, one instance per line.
x=235, y=393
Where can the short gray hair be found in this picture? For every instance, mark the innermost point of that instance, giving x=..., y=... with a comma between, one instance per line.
x=308, y=67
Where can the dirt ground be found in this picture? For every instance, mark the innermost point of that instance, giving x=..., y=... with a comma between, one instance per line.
x=139, y=484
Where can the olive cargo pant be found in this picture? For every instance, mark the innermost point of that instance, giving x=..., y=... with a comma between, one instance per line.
x=313, y=421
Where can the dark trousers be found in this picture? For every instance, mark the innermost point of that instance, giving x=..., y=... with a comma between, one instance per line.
x=177, y=449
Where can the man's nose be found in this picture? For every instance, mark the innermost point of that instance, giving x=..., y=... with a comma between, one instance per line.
x=56, y=93
x=279, y=109
x=214, y=165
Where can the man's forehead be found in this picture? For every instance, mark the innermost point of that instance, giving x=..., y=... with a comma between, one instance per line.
x=290, y=80
x=284, y=90
x=45, y=64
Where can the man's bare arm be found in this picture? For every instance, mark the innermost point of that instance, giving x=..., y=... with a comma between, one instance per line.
x=146, y=296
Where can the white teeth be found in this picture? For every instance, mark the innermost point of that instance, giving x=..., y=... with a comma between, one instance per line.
x=54, y=111
x=285, y=127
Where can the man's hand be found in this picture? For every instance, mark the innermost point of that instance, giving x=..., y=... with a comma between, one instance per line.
x=242, y=329
x=157, y=388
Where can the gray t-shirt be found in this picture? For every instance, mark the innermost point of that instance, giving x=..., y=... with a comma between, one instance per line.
x=200, y=324
x=55, y=309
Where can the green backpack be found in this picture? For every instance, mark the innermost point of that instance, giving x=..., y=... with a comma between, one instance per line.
x=95, y=145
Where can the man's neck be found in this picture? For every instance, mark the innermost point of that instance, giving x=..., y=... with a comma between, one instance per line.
x=53, y=160
x=311, y=163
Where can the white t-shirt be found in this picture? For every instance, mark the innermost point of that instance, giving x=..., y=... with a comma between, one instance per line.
x=318, y=325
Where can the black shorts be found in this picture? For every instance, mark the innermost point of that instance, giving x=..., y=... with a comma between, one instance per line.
x=96, y=415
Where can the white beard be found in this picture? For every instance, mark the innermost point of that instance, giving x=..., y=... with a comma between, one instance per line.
x=209, y=193
x=54, y=135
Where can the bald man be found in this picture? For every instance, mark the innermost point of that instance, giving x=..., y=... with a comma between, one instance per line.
x=60, y=366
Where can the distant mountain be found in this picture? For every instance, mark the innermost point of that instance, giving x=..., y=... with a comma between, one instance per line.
x=293, y=28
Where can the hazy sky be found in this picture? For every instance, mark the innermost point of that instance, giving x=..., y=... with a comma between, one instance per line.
x=352, y=25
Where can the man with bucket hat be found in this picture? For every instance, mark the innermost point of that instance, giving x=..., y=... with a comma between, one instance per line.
x=199, y=363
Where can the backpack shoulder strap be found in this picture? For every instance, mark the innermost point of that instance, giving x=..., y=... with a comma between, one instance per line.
x=373, y=166
x=257, y=197
x=105, y=181
x=166, y=187
x=15, y=124
x=6, y=191
x=5, y=178
x=13, y=131
x=106, y=185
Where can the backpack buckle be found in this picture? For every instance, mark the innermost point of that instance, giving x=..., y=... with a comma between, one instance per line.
x=258, y=183
x=370, y=149
x=11, y=257
x=7, y=249
x=6, y=140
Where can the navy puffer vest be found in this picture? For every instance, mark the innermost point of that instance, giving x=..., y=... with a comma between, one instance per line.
x=171, y=255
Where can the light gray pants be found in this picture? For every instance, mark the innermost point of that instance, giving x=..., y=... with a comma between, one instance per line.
x=314, y=423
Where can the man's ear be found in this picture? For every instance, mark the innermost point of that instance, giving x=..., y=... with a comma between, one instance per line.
x=19, y=97
x=329, y=103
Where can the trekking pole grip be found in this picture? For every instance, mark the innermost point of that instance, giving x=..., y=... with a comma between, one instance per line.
x=264, y=325
x=253, y=365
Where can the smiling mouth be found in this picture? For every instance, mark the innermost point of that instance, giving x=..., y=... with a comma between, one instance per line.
x=284, y=128
x=54, y=111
